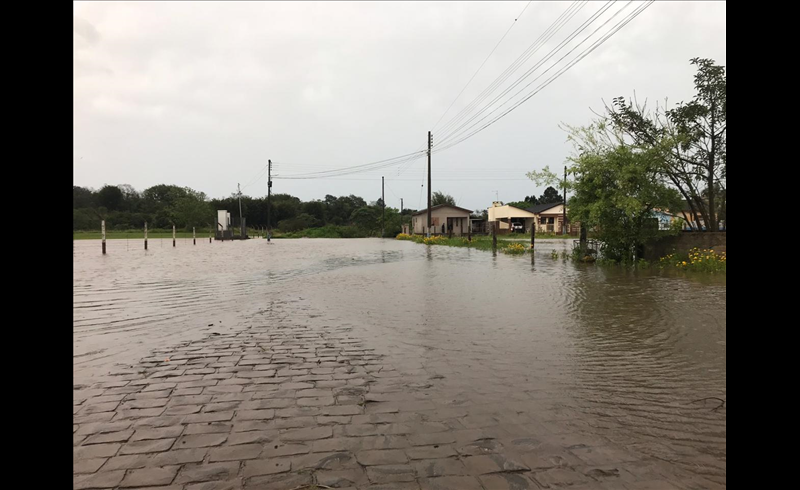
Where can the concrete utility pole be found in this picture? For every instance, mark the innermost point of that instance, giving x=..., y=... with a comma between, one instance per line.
x=241, y=223
x=430, y=143
x=269, y=194
x=564, y=214
x=383, y=208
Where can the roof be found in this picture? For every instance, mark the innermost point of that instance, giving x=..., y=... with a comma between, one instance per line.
x=540, y=208
x=438, y=206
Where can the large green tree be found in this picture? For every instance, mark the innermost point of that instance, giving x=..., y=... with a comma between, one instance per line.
x=616, y=190
x=692, y=137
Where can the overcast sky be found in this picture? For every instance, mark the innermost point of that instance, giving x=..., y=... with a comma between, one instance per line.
x=201, y=94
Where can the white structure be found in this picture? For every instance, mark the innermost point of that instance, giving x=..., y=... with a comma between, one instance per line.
x=224, y=219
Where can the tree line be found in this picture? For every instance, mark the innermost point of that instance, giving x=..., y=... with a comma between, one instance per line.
x=632, y=163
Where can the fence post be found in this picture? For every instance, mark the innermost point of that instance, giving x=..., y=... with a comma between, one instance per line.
x=194, y=237
x=533, y=233
x=145, y=235
x=173, y=235
x=494, y=234
x=103, y=232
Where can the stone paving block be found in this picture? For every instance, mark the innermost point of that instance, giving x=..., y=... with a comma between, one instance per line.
x=208, y=428
x=235, y=453
x=431, y=468
x=507, y=481
x=327, y=461
x=87, y=465
x=260, y=467
x=281, y=481
x=145, y=403
x=182, y=409
x=95, y=451
x=309, y=434
x=145, y=434
x=602, y=455
x=392, y=486
x=179, y=456
x=199, y=418
x=103, y=479
x=120, y=436
x=141, y=447
x=450, y=483
x=205, y=472
x=391, y=473
x=343, y=478
x=558, y=477
x=149, y=476
x=235, y=484
x=381, y=457
x=431, y=452
x=128, y=462
x=201, y=440
x=493, y=463
x=255, y=414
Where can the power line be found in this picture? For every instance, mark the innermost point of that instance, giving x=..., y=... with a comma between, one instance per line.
x=551, y=30
x=480, y=67
x=539, y=64
x=544, y=84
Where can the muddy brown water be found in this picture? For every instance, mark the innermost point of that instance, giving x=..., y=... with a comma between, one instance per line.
x=637, y=358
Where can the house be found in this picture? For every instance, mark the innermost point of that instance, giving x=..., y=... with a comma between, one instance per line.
x=444, y=219
x=508, y=216
x=548, y=218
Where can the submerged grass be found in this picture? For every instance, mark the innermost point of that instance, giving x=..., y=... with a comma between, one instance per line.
x=478, y=242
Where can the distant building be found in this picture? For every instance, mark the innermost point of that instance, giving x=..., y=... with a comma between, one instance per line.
x=548, y=218
x=444, y=219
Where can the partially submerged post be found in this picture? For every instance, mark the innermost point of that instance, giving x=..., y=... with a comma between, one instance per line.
x=173, y=235
x=533, y=233
x=145, y=235
x=494, y=234
x=583, y=240
x=103, y=232
x=194, y=237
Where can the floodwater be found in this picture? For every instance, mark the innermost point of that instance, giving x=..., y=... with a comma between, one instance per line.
x=637, y=358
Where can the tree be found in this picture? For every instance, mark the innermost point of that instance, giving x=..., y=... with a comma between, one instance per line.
x=82, y=197
x=550, y=196
x=616, y=190
x=440, y=198
x=110, y=197
x=692, y=137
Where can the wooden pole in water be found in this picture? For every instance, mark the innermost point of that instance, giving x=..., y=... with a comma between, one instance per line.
x=494, y=234
x=533, y=233
x=103, y=232
x=173, y=235
x=194, y=237
x=145, y=235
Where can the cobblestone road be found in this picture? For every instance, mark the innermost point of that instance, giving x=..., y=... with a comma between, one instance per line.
x=283, y=407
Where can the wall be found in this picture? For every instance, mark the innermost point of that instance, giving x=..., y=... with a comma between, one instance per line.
x=684, y=242
x=440, y=216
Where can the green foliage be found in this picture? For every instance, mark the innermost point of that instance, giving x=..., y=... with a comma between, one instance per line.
x=616, y=192
x=299, y=222
x=692, y=137
x=550, y=196
x=441, y=198
x=700, y=260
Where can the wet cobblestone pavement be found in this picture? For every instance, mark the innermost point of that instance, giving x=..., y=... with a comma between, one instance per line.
x=399, y=377
x=282, y=407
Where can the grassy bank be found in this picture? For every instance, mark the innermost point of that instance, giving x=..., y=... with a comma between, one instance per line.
x=330, y=231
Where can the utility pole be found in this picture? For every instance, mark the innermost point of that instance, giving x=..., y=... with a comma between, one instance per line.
x=564, y=208
x=403, y=230
x=430, y=143
x=383, y=208
x=241, y=223
x=269, y=193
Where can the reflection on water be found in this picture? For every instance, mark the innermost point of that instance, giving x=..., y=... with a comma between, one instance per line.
x=636, y=358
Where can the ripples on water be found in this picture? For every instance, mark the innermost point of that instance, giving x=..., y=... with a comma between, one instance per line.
x=635, y=357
